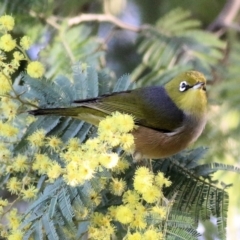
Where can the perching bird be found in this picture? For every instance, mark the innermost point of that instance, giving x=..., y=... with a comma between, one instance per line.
x=168, y=117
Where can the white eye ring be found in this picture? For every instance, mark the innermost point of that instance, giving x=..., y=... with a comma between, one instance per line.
x=183, y=86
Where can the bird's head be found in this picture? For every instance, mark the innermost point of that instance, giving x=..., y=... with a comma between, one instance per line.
x=188, y=92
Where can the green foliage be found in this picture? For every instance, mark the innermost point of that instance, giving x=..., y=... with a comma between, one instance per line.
x=80, y=39
x=174, y=45
x=194, y=195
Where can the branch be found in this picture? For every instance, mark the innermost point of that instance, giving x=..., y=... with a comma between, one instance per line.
x=226, y=16
x=103, y=18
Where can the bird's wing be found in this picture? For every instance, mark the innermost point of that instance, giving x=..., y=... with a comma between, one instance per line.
x=150, y=107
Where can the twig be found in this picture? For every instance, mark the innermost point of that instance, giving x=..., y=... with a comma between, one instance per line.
x=17, y=96
x=234, y=26
x=103, y=18
x=226, y=16
x=51, y=20
x=10, y=206
x=67, y=48
x=169, y=207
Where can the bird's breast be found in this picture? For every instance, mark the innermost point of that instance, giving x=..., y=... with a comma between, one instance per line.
x=150, y=143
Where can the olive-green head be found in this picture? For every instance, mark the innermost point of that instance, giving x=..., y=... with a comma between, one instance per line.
x=188, y=92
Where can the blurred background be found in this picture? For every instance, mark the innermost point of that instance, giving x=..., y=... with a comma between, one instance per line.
x=114, y=35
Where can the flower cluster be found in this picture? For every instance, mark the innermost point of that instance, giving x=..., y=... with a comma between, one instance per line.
x=142, y=211
x=15, y=168
x=81, y=163
x=84, y=161
x=17, y=50
x=140, y=207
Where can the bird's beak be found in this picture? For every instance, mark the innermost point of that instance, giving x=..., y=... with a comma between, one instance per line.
x=199, y=85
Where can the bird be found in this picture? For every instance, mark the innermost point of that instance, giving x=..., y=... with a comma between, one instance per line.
x=168, y=118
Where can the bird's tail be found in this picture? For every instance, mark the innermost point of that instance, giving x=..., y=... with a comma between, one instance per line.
x=56, y=111
x=90, y=115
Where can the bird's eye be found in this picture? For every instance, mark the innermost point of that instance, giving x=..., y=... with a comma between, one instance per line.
x=183, y=86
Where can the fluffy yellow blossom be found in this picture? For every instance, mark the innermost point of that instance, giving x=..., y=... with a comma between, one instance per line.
x=3, y=203
x=113, y=139
x=16, y=235
x=140, y=209
x=72, y=176
x=100, y=219
x=80, y=213
x=161, y=211
x=152, y=194
x=7, y=22
x=123, y=122
x=9, y=109
x=5, y=86
x=101, y=226
x=41, y=163
x=4, y=233
x=10, y=131
x=138, y=222
x=9, y=169
x=152, y=234
x=54, y=171
x=85, y=170
x=11, y=67
x=73, y=144
x=27, y=180
x=7, y=43
x=103, y=233
x=18, y=56
x=14, y=219
x=20, y=163
x=25, y=42
x=67, y=156
x=161, y=181
x=131, y=197
x=124, y=214
x=127, y=142
x=134, y=236
x=29, y=193
x=108, y=160
x=121, y=166
x=37, y=138
x=54, y=142
x=7, y=130
x=5, y=154
x=94, y=233
x=106, y=125
x=13, y=185
x=92, y=144
x=112, y=212
x=117, y=186
x=35, y=69
x=143, y=171
x=117, y=123
x=95, y=197
x=96, y=219
x=143, y=179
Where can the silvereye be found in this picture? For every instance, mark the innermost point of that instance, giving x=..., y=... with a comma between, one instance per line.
x=168, y=117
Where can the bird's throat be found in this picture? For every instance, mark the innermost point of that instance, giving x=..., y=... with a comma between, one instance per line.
x=194, y=103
